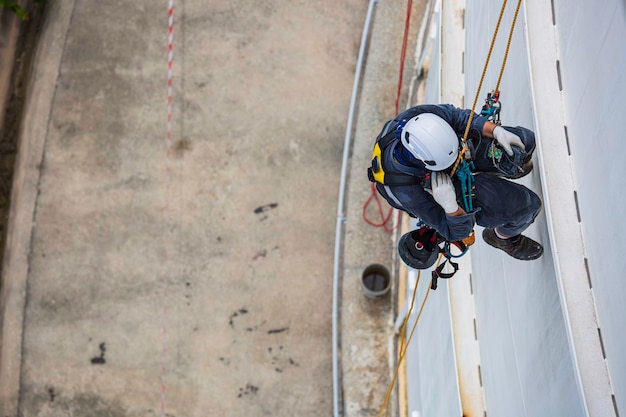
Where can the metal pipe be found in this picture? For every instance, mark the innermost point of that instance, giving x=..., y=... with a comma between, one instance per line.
x=340, y=206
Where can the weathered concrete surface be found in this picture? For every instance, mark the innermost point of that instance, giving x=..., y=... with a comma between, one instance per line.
x=231, y=258
x=207, y=293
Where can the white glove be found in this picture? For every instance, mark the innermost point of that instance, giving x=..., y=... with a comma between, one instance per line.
x=506, y=139
x=443, y=192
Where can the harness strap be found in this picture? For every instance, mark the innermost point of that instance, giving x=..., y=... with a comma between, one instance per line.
x=376, y=173
x=438, y=272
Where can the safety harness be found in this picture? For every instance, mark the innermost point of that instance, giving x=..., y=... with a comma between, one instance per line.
x=378, y=174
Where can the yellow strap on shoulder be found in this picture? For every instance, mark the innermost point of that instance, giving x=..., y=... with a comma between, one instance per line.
x=377, y=165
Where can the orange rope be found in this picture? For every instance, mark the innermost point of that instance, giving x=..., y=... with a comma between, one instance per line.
x=480, y=85
x=508, y=45
x=405, y=346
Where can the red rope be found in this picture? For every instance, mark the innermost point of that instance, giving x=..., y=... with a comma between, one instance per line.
x=385, y=218
x=407, y=24
x=374, y=196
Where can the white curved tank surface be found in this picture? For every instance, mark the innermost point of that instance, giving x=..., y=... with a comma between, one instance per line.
x=549, y=333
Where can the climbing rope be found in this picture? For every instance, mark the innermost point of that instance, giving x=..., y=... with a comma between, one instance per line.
x=384, y=408
x=462, y=166
x=464, y=149
x=384, y=218
x=407, y=24
x=508, y=45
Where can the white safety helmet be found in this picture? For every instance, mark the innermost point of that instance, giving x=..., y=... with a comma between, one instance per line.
x=430, y=139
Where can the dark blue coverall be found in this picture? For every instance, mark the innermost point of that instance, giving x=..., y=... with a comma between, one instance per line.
x=497, y=202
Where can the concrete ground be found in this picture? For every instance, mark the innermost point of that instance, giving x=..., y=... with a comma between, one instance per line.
x=199, y=283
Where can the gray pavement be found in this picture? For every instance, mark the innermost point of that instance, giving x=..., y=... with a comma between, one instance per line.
x=128, y=292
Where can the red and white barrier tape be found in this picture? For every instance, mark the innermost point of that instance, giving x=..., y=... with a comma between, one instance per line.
x=170, y=55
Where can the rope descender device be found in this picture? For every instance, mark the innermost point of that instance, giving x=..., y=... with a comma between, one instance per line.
x=492, y=107
x=464, y=174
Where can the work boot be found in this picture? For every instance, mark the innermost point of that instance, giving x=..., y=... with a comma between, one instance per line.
x=519, y=247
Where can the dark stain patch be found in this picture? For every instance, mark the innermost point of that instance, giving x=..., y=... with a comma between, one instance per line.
x=254, y=328
x=52, y=394
x=274, y=331
x=262, y=209
x=99, y=360
x=188, y=295
x=80, y=404
x=260, y=254
x=248, y=390
x=280, y=360
x=231, y=318
x=225, y=361
x=180, y=147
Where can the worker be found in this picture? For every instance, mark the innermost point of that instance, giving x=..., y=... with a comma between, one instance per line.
x=415, y=154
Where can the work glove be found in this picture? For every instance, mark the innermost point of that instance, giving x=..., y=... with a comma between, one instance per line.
x=506, y=139
x=443, y=192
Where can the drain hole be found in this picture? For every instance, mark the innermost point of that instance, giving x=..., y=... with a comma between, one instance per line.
x=375, y=281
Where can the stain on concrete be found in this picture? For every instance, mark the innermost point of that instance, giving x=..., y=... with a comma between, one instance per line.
x=99, y=360
x=180, y=147
x=260, y=254
x=274, y=331
x=280, y=359
x=256, y=327
x=189, y=292
x=249, y=389
x=84, y=404
x=264, y=208
x=232, y=317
